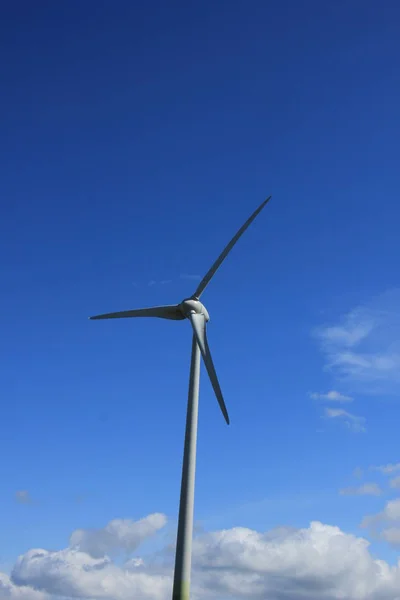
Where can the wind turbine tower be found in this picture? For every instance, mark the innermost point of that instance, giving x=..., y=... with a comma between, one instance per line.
x=196, y=313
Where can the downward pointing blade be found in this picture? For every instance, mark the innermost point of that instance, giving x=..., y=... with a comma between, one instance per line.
x=199, y=328
x=206, y=279
x=163, y=312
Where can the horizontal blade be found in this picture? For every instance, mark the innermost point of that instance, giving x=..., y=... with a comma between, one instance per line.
x=199, y=328
x=206, y=279
x=163, y=312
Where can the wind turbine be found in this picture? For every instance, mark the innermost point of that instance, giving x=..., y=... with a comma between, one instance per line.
x=192, y=309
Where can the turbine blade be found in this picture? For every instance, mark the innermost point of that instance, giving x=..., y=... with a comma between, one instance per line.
x=206, y=279
x=163, y=312
x=199, y=328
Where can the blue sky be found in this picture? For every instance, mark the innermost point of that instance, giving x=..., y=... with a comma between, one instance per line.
x=136, y=140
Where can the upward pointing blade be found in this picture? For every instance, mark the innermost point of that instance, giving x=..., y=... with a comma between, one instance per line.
x=206, y=279
x=198, y=322
x=163, y=312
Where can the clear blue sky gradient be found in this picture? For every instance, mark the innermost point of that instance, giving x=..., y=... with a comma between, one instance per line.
x=136, y=139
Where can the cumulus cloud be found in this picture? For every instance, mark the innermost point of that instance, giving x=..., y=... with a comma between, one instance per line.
x=331, y=396
x=85, y=570
x=11, y=591
x=351, y=421
x=73, y=574
x=364, y=346
x=118, y=535
x=319, y=562
x=367, y=489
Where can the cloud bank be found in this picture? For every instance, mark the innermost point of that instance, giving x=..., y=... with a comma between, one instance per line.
x=319, y=562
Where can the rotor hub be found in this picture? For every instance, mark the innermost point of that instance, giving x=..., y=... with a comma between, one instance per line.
x=192, y=305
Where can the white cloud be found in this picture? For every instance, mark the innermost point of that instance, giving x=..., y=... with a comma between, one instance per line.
x=73, y=574
x=331, y=396
x=364, y=347
x=319, y=562
x=387, y=469
x=118, y=535
x=84, y=570
x=395, y=482
x=351, y=421
x=367, y=489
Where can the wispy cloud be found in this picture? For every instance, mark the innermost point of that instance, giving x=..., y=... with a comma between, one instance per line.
x=23, y=497
x=391, y=513
x=350, y=333
x=385, y=525
x=391, y=535
x=353, y=422
x=364, y=346
x=162, y=282
x=367, y=489
x=395, y=482
x=358, y=473
x=190, y=276
x=331, y=396
x=387, y=469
